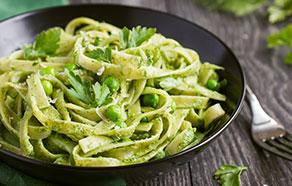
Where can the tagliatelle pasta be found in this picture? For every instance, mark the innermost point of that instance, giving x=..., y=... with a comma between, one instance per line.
x=97, y=95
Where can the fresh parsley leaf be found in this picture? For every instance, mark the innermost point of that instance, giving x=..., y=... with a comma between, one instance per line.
x=97, y=41
x=101, y=55
x=94, y=95
x=125, y=37
x=46, y=44
x=81, y=90
x=283, y=38
x=107, y=101
x=280, y=10
x=136, y=36
x=30, y=53
x=104, y=93
x=238, y=7
x=139, y=35
x=97, y=90
x=47, y=41
x=101, y=94
x=229, y=175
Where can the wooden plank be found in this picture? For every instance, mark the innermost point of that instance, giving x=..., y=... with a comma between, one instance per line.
x=178, y=177
x=267, y=76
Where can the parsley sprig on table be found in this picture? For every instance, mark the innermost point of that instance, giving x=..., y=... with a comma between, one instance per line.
x=136, y=36
x=46, y=44
x=94, y=95
x=229, y=175
x=278, y=10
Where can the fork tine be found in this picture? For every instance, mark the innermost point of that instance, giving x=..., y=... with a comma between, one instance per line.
x=284, y=141
x=275, y=150
x=279, y=146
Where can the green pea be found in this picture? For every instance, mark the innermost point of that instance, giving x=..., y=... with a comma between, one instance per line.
x=213, y=85
x=126, y=140
x=48, y=71
x=223, y=83
x=71, y=66
x=144, y=120
x=112, y=83
x=150, y=100
x=172, y=106
x=114, y=112
x=121, y=124
x=48, y=87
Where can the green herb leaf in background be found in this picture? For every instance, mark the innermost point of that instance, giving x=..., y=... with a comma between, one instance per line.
x=280, y=10
x=283, y=38
x=229, y=175
x=135, y=37
x=46, y=44
x=238, y=7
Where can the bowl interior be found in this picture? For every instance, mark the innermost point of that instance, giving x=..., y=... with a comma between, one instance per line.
x=22, y=29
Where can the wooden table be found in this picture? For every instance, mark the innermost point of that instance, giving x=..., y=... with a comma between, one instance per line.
x=266, y=74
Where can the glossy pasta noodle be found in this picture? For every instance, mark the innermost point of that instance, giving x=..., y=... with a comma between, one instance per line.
x=97, y=95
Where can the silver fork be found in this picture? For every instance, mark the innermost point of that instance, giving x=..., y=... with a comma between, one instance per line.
x=266, y=132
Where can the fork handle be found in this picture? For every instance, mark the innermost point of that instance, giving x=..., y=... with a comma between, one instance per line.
x=258, y=114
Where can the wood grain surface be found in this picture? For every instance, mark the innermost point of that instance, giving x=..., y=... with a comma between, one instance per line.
x=266, y=74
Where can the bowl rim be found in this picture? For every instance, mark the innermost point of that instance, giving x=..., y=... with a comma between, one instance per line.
x=152, y=162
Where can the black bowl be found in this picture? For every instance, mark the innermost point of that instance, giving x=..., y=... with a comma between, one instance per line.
x=16, y=31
